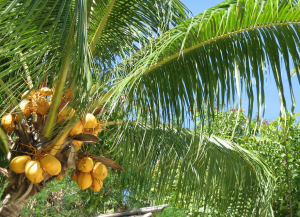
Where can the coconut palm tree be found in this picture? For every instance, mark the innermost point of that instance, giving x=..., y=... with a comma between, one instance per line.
x=159, y=61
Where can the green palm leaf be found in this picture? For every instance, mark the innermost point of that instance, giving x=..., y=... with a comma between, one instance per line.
x=206, y=171
x=214, y=56
x=118, y=27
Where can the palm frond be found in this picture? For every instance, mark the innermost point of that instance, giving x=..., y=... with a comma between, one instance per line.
x=204, y=170
x=118, y=28
x=214, y=56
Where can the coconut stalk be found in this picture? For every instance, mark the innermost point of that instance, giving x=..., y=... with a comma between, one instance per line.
x=61, y=80
x=5, y=146
x=57, y=143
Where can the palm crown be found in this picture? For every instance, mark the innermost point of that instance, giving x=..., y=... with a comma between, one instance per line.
x=160, y=61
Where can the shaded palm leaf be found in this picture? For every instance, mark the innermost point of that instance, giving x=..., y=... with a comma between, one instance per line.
x=205, y=170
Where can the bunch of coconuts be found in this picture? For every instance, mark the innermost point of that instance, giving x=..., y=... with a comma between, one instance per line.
x=39, y=102
x=35, y=169
x=89, y=175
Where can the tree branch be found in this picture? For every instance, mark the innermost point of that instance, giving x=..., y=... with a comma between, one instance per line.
x=144, y=210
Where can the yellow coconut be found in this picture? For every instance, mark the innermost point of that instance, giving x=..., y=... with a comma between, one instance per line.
x=26, y=107
x=45, y=91
x=51, y=164
x=89, y=121
x=84, y=180
x=77, y=143
x=65, y=114
x=77, y=128
x=74, y=176
x=41, y=100
x=18, y=163
x=43, y=109
x=42, y=177
x=85, y=164
x=29, y=96
x=7, y=122
x=99, y=171
x=96, y=185
x=59, y=178
x=34, y=171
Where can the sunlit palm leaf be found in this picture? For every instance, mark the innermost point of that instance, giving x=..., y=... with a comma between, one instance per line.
x=119, y=28
x=214, y=56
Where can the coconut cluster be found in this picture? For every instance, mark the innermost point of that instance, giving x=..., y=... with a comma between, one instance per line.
x=87, y=124
x=89, y=174
x=35, y=170
x=37, y=101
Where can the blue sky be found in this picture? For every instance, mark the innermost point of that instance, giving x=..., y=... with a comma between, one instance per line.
x=272, y=98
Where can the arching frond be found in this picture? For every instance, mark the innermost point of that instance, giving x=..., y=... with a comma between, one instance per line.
x=214, y=56
x=208, y=172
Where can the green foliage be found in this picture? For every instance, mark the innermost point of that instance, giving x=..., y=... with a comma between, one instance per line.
x=276, y=142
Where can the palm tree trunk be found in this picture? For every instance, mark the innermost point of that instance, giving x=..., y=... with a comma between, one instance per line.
x=16, y=198
x=10, y=208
